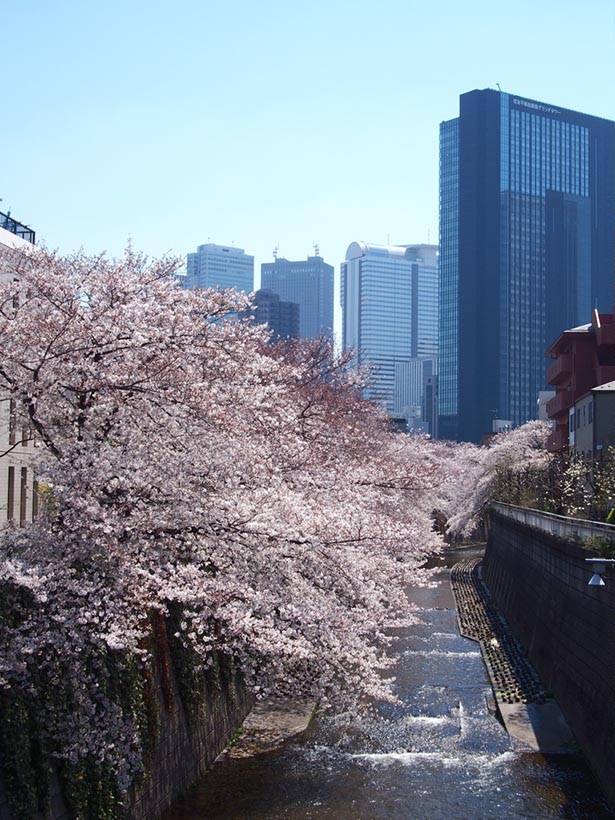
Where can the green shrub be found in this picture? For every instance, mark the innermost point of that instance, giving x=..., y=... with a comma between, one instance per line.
x=604, y=545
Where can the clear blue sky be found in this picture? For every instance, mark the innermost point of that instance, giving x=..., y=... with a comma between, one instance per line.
x=262, y=122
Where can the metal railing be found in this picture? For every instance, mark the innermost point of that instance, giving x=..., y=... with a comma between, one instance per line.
x=570, y=529
x=9, y=224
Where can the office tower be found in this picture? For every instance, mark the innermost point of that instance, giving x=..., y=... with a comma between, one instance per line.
x=415, y=386
x=430, y=405
x=310, y=285
x=389, y=298
x=219, y=266
x=281, y=317
x=527, y=248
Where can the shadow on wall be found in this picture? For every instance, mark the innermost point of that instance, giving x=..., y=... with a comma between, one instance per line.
x=567, y=627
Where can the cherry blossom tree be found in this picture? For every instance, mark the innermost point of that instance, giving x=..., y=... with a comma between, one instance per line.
x=185, y=462
x=475, y=476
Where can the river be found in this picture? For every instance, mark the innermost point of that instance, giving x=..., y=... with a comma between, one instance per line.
x=439, y=756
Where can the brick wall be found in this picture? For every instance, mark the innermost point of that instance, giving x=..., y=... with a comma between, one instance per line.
x=567, y=627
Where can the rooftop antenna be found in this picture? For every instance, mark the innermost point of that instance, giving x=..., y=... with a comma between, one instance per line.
x=428, y=237
x=275, y=251
x=316, y=249
x=499, y=89
x=388, y=239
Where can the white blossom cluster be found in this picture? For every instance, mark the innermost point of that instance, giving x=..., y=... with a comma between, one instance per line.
x=471, y=472
x=186, y=460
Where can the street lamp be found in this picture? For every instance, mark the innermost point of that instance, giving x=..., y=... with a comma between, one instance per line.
x=599, y=567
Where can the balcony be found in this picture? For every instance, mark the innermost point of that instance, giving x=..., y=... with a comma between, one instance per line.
x=559, y=403
x=13, y=226
x=560, y=368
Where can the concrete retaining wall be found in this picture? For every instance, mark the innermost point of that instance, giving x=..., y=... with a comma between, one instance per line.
x=567, y=628
x=184, y=751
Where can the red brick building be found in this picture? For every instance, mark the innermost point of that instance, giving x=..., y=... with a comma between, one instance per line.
x=584, y=358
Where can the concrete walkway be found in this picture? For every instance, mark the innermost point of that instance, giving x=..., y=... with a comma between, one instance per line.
x=527, y=710
x=270, y=724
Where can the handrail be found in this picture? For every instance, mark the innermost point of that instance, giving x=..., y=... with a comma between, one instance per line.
x=571, y=529
x=10, y=224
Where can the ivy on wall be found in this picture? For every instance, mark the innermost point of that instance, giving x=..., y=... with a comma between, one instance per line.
x=129, y=682
x=25, y=761
x=191, y=682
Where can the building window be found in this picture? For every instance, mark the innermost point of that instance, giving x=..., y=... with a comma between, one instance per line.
x=23, y=495
x=34, y=499
x=10, y=494
x=12, y=422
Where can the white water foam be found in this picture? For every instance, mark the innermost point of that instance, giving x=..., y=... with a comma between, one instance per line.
x=426, y=720
x=444, y=653
x=462, y=722
x=479, y=761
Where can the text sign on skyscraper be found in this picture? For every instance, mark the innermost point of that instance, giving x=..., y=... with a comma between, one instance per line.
x=527, y=249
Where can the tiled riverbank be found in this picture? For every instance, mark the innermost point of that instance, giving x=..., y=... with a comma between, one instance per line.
x=527, y=710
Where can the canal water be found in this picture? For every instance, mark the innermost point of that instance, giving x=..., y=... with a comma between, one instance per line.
x=439, y=756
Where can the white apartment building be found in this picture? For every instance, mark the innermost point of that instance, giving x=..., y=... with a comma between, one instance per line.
x=18, y=485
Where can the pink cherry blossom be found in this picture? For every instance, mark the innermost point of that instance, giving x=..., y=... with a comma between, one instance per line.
x=185, y=460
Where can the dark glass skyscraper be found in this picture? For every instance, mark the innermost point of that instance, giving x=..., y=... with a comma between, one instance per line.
x=309, y=284
x=527, y=249
x=281, y=317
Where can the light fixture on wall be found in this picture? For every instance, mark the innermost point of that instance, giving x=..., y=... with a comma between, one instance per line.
x=599, y=567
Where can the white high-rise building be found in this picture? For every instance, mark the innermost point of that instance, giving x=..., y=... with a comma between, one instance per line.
x=219, y=266
x=389, y=296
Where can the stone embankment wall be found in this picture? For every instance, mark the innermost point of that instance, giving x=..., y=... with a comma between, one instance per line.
x=185, y=748
x=540, y=583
